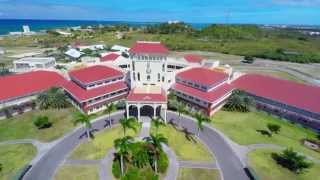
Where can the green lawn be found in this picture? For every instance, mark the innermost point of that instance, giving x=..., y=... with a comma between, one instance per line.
x=242, y=128
x=21, y=126
x=73, y=172
x=185, y=149
x=98, y=147
x=198, y=174
x=15, y=157
x=268, y=169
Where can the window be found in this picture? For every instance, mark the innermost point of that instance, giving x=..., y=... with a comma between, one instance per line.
x=159, y=77
x=162, y=78
x=163, y=67
x=148, y=78
x=138, y=76
x=133, y=66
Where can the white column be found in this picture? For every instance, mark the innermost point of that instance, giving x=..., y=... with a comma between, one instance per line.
x=138, y=106
x=154, y=111
x=127, y=109
x=165, y=116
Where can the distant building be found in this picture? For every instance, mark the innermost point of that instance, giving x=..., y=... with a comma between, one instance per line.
x=73, y=53
x=33, y=63
x=63, y=33
x=1, y=51
x=120, y=48
x=94, y=47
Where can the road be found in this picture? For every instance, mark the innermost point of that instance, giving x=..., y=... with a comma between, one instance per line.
x=228, y=162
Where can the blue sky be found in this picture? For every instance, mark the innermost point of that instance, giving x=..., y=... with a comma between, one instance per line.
x=203, y=11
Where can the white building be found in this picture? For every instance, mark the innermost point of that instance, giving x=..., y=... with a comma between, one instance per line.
x=73, y=53
x=34, y=63
x=95, y=47
x=120, y=48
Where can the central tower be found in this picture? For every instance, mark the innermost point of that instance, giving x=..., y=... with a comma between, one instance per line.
x=149, y=64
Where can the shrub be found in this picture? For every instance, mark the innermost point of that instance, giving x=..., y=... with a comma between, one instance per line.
x=42, y=122
x=163, y=163
x=248, y=59
x=239, y=101
x=1, y=167
x=274, y=128
x=292, y=161
x=116, y=171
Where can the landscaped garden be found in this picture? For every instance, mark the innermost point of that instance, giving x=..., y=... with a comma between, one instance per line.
x=14, y=158
x=245, y=128
x=22, y=127
x=185, y=145
x=80, y=172
x=98, y=147
x=198, y=174
x=267, y=168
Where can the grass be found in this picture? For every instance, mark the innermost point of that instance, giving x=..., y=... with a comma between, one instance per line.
x=21, y=126
x=184, y=148
x=14, y=157
x=242, y=128
x=73, y=172
x=267, y=168
x=98, y=147
x=198, y=174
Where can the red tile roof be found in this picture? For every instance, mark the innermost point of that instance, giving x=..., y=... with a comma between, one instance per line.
x=144, y=97
x=149, y=48
x=210, y=96
x=94, y=74
x=294, y=94
x=30, y=83
x=203, y=76
x=193, y=58
x=109, y=57
x=81, y=94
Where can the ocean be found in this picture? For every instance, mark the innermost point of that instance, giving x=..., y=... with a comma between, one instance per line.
x=11, y=25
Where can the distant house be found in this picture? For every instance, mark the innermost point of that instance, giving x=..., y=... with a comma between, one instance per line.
x=63, y=33
x=33, y=63
x=94, y=47
x=120, y=48
x=73, y=53
x=89, y=59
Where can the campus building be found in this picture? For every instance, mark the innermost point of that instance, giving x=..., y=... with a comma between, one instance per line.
x=91, y=89
x=145, y=78
x=34, y=63
x=202, y=89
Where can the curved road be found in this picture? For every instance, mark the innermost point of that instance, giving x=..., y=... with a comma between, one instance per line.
x=229, y=163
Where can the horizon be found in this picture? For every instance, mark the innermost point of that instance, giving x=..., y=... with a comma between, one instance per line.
x=288, y=12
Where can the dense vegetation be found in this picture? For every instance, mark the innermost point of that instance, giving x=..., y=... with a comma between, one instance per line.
x=245, y=40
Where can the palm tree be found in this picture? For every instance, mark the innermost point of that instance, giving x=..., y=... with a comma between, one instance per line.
x=157, y=124
x=122, y=147
x=128, y=123
x=200, y=119
x=156, y=147
x=83, y=119
x=239, y=101
x=180, y=108
x=110, y=108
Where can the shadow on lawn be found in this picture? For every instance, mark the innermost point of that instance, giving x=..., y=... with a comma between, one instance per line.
x=188, y=135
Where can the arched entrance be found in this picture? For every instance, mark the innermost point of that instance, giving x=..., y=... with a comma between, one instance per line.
x=147, y=110
x=133, y=111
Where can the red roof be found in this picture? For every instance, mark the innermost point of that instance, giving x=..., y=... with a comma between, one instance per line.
x=95, y=73
x=149, y=48
x=81, y=94
x=146, y=97
x=26, y=84
x=193, y=58
x=203, y=76
x=294, y=94
x=109, y=57
x=210, y=96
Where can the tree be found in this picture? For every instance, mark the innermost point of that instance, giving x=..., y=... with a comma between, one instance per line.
x=1, y=167
x=274, y=128
x=200, y=119
x=239, y=101
x=318, y=136
x=156, y=147
x=53, y=98
x=122, y=147
x=42, y=122
x=110, y=107
x=180, y=108
x=82, y=119
x=292, y=161
x=248, y=59
x=128, y=123
x=157, y=123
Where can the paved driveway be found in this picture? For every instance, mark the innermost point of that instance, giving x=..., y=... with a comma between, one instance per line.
x=229, y=163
